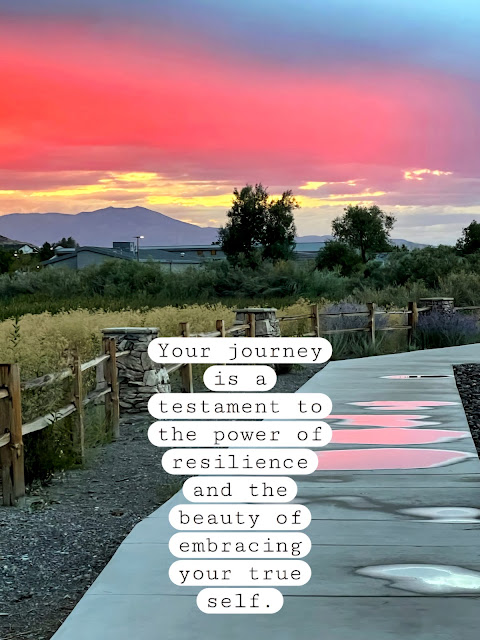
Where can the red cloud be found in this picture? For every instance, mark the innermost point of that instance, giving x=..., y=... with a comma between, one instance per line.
x=73, y=98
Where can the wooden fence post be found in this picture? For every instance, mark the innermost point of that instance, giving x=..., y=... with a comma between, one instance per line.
x=11, y=455
x=250, y=333
x=315, y=320
x=371, y=321
x=412, y=320
x=112, y=399
x=78, y=435
x=220, y=326
x=186, y=370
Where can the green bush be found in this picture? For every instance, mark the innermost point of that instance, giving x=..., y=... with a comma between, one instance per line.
x=116, y=285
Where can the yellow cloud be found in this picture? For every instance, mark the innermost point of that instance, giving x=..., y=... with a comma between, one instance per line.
x=221, y=200
x=416, y=174
x=356, y=196
x=313, y=186
x=337, y=199
x=133, y=176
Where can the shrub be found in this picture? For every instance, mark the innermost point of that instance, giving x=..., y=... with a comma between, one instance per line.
x=463, y=286
x=436, y=329
x=49, y=282
x=428, y=265
x=338, y=255
x=120, y=278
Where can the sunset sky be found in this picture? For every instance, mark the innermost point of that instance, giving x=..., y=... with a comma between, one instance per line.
x=170, y=104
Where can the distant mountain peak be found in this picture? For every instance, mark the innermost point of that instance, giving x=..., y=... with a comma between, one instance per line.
x=104, y=226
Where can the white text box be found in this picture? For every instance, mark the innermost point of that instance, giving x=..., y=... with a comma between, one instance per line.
x=242, y=406
x=240, y=573
x=239, y=517
x=239, y=378
x=240, y=545
x=239, y=433
x=239, y=489
x=240, y=350
x=240, y=601
x=239, y=461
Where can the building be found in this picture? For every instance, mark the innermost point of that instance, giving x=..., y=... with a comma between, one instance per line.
x=183, y=253
x=82, y=257
x=171, y=258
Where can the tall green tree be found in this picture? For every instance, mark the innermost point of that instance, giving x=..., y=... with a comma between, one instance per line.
x=259, y=228
x=364, y=228
x=470, y=240
x=279, y=231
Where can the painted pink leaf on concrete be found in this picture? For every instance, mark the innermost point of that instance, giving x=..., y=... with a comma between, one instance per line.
x=378, y=420
x=365, y=459
x=395, y=436
x=403, y=405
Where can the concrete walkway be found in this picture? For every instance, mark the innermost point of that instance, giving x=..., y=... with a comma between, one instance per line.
x=395, y=529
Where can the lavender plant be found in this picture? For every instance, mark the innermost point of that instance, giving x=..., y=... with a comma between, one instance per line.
x=438, y=329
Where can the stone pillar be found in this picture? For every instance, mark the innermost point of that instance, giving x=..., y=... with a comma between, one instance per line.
x=439, y=305
x=267, y=325
x=266, y=322
x=139, y=377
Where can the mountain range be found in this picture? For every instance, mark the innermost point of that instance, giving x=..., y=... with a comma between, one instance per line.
x=104, y=226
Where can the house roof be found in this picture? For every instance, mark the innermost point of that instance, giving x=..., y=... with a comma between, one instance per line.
x=111, y=253
x=184, y=247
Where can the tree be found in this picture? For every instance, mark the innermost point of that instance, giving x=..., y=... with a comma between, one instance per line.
x=338, y=254
x=259, y=228
x=67, y=243
x=46, y=251
x=364, y=228
x=279, y=232
x=470, y=240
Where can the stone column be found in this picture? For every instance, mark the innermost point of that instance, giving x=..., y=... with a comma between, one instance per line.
x=439, y=305
x=139, y=377
x=266, y=322
x=267, y=325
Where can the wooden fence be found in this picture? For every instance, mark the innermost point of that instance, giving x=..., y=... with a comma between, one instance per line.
x=370, y=327
x=12, y=428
